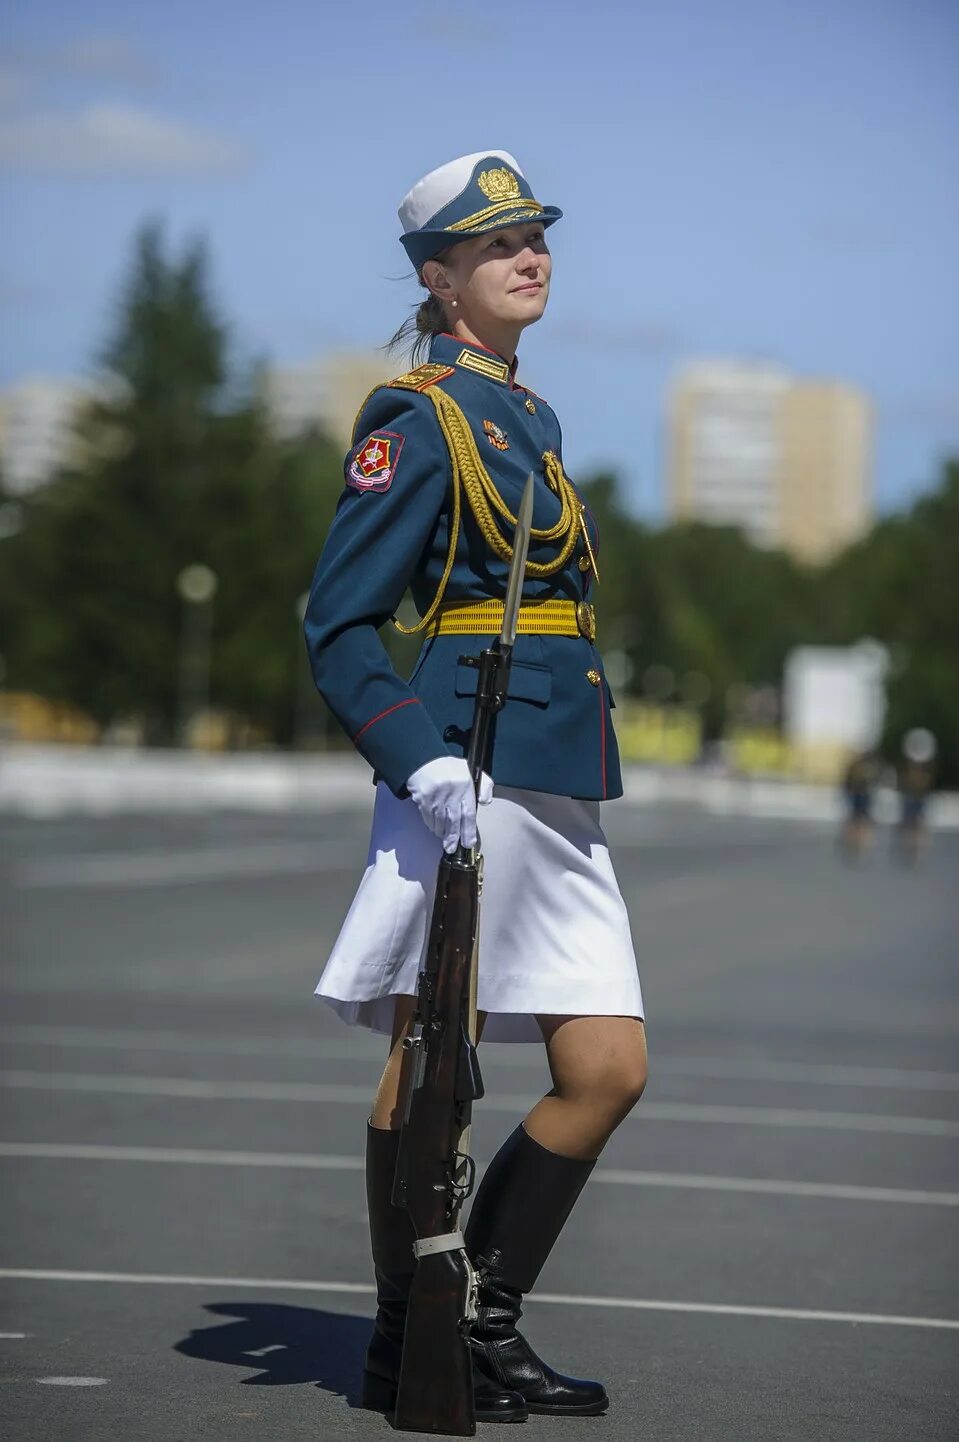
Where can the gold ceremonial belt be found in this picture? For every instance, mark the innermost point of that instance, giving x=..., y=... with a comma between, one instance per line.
x=536, y=618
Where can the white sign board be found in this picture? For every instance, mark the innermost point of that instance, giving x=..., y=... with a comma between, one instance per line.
x=835, y=695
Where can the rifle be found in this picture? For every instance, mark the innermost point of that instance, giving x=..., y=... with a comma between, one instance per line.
x=435, y=1172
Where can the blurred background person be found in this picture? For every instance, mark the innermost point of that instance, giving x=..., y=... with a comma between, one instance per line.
x=915, y=782
x=858, y=788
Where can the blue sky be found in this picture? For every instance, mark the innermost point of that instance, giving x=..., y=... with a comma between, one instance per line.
x=740, y=179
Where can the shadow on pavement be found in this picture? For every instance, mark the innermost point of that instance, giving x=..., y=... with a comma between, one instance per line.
x=289, y=1345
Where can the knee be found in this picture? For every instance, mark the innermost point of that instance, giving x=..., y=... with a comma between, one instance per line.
x=629, y=1083
x=614, y=1084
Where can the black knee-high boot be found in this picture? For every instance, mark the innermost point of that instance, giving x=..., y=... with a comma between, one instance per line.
x=520, y=1209
x=392, y=1237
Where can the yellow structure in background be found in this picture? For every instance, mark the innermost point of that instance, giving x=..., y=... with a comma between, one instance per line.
x=666, y=735
x=758, y=751
x=24, y=717
x=763, y=751
x=654, y=735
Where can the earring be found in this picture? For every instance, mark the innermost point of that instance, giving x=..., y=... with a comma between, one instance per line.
x=454, y=302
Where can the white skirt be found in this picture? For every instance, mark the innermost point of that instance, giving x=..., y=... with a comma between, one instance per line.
x=554, y=933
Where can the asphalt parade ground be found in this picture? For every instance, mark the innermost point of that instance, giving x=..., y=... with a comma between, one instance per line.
x=768, y=1249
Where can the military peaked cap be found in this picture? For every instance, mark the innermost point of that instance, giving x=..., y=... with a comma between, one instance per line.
x=465, y=197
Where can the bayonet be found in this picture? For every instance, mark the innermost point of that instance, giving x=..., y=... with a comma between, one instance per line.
x=517, y=570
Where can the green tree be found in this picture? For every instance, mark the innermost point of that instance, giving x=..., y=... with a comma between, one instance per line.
x=179, y=468
x=900, y=584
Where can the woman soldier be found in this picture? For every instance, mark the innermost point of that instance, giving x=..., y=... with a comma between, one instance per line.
x=433, y=484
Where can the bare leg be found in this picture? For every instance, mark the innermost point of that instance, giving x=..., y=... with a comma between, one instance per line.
x=598, y=1067
x=387, y=1108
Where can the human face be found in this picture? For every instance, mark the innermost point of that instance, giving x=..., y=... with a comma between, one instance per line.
x=500, y=281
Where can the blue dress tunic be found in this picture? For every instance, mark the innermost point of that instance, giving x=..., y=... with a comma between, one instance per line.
x=391, y=532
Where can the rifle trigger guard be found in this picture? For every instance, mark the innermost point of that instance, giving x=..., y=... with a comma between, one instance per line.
x=464, y=1189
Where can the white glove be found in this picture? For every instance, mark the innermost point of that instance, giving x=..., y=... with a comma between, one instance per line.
x=443, y=791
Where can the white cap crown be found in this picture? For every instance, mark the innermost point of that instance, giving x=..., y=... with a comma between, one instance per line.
x=436, y=190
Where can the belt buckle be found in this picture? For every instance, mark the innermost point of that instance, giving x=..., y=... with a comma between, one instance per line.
x=586, y=620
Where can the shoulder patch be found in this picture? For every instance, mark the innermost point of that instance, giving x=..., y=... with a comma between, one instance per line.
x=372, y=464
x=422, y=377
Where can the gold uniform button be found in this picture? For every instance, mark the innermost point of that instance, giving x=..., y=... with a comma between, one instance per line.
x=593, y=677
x=530, y=407
x=585, y=564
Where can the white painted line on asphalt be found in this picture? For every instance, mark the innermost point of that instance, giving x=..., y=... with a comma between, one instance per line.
x=134, y=1039
x=174, y=1279
x=12, y=1336
x=182, y=868
x=362, y=1049
x=721, y=1309
x=611, y=1176
x=561, y=1299
x=829, y=1191
x=117, y=1084
x=347, y=1094
x=796, y=1117
x=186, y=1156
x=815, y=1073
x=71, y=1381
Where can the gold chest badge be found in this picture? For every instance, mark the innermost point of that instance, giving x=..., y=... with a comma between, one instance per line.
x=496, y=435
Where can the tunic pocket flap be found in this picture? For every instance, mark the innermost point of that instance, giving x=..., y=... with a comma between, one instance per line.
x=527, y=682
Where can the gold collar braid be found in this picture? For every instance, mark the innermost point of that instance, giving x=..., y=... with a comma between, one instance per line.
x=486, y=503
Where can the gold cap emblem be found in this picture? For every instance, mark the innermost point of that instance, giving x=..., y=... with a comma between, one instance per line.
x=499, y=185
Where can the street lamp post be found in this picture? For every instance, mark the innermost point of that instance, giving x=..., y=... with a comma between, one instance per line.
x=197, y=586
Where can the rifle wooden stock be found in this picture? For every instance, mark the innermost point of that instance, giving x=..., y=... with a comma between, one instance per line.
x=436, y=1379
x=435, y=1392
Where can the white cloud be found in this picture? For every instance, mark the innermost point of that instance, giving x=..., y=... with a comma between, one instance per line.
x=104, y=58
x=114, y=140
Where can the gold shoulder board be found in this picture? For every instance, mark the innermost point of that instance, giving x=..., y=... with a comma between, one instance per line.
x=422, y=377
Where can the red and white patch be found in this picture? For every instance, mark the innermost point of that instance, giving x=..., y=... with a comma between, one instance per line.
x=374, y=462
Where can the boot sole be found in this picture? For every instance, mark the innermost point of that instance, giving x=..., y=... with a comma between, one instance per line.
x=590, y=1409
x=379, y=1395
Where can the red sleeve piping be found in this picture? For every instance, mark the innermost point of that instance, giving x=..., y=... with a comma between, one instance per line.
x=411, y=701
